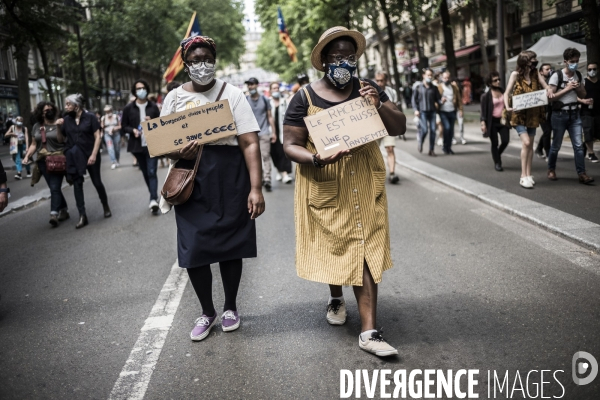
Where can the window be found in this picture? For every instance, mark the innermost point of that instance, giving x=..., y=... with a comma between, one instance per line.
x=2, y=73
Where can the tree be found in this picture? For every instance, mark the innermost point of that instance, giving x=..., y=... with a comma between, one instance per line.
x=23, y=84
x=448, y=37
x=591, y=29
x=392, y=41
x=36, y=23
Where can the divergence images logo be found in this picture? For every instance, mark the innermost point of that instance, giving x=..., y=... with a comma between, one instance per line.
x=582, y=363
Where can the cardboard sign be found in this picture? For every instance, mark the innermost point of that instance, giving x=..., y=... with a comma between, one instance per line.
x=345, y=126
x=202, y=124
x=529, y=100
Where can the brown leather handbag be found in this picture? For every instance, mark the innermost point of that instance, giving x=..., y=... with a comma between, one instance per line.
x=179, y=184
x=57, y=163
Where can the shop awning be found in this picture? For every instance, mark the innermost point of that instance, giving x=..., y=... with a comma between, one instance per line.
x=413, y=61
x=460, y=53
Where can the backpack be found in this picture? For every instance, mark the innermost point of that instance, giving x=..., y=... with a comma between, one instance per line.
x=557, y=105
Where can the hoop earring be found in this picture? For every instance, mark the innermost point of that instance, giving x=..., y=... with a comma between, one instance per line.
x=324, y=65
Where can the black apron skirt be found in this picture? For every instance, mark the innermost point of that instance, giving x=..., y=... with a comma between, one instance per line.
x=214, y=224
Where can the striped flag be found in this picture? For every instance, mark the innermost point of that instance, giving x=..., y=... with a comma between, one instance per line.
x=285, y=37
x=176, y=64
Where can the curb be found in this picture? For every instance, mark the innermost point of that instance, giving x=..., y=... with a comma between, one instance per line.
x=579, y=230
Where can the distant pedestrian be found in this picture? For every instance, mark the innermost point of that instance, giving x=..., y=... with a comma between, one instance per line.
x=262, y=111
x=48, y=140
x=543, y=148
x=19, y=142
x=278, y=108
x=450, y=109
x=590, y=110
x=526, y=79
x=467, y=92
x=83, y=136
x=111, y=127
x=216, y=224
x=567, y=86
x=340, y=206
x=426, y=99
x=4, y=190
x=494, y=121
x=388, y=142
x=134, y=115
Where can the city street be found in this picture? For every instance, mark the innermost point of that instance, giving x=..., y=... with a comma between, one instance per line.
x=104, y=312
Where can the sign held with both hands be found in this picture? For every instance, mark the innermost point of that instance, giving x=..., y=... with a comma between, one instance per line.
x=202, y=124
x=345, y=126
x=529, y=100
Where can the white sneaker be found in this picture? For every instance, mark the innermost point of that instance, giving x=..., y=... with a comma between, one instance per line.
x=278, y=177
x=463, y=141
x=287, y=179
x=377, y=345
x=113, y=166
x=531, y=180
x=336, y=312
x=526, y=183
x=29, y=174
x=153, y=206
x=440, y=142
x=453, y=141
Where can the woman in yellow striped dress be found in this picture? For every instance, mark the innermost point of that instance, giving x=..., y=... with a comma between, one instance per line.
x=342, y=229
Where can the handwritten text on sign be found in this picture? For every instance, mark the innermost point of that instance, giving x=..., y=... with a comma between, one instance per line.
x=530, y=100
x=345, y=126
x=202, y=124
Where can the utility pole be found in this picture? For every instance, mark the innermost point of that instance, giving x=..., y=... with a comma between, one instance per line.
x=501, y=53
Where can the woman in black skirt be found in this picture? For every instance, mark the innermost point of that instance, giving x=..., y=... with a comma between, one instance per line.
x=216, y=224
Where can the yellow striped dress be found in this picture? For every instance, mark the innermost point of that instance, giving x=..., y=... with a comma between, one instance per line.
x=341, y=217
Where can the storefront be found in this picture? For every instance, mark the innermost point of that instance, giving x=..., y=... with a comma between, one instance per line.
x=9, y=102
x=566, y=26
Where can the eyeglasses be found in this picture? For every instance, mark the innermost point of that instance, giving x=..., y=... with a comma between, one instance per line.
x=351, y=59
x=206, y=63
x=496, y=80
x=592, y=69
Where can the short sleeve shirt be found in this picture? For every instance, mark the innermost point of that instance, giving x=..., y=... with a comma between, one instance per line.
x=261, y=107
x=242, y=113
x=298, y=108
x=570, y=97
x=81, y=135
x=52, y=143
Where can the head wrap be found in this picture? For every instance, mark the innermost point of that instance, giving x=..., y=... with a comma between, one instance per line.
x=188, y=42
x=76, y=99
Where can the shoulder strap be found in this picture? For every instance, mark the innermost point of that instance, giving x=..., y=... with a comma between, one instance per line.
x=202, y=146
x=579, y=77
x=43, y=133
x=221, y=92
x=559, y=76
x=307, y=94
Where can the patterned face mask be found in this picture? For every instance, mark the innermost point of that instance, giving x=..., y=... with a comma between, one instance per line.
x=201, y=73
x=340, y=74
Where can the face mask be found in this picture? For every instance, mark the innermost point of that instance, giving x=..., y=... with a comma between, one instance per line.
x=534, y=64
x=50, y=115
x=275, y=95
x=428, y=80
x=141, y=94
x=19, y=124
x=72, y=114
x=341, y=74
x=592, y=73
x=573, y=67
x=201, y=74
x=446, y=82
x=252, y=92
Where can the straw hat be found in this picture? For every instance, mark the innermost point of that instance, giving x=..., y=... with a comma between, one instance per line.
x=107, y=107
x=334, y=33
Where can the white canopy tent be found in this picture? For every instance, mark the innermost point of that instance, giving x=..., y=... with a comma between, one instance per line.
x=549, y=49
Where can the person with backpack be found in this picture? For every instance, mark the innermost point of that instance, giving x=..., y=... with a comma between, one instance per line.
x=19, y=142
x=111, y=125
x=262, y=111
x=566, y=84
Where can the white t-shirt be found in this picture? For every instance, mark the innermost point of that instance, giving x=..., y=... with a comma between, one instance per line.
x=243, y=116
x=391, y=94
x=142, y=108
x=448, y=106
x=570, y=97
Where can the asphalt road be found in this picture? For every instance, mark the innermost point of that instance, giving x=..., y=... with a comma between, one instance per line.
x=472, y=288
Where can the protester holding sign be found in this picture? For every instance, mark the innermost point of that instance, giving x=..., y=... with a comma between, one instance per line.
x=526, y=79
x=342, y=229
x=216, y=224
x=134, y=115
x=566, y=85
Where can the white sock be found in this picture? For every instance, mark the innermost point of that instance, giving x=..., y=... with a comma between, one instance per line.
x=335, y=298
x=367, y=334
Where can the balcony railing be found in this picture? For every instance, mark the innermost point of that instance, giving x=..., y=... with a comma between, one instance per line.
x=491, y=32
x=563, y=7
x=536, y=17
x=432, y=48
x=462, y=42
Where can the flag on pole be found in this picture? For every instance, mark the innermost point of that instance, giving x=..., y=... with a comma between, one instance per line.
x=285, y=37
x=176, y=64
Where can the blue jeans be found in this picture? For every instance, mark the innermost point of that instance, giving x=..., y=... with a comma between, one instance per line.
x=113, y=144
x=448, y=121
x=18, y=159
x=148, y=165
x=571, y=122
x=54, y=181
x=428, y=120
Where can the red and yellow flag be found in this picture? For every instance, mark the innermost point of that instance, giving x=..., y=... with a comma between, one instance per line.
x=176, y=64
x=285, y=37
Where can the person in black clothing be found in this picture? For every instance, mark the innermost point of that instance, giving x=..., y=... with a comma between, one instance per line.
x=425, y=101
x=590, y=110
x=82, y=131
x=3, y=189
x=544, y=143
x=492, y=125
x=134, y=114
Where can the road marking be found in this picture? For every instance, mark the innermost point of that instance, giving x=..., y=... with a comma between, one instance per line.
x=134, y=378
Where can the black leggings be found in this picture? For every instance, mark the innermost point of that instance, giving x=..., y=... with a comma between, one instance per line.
x=201, y=278
x=94, y=173
x=496, y=130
